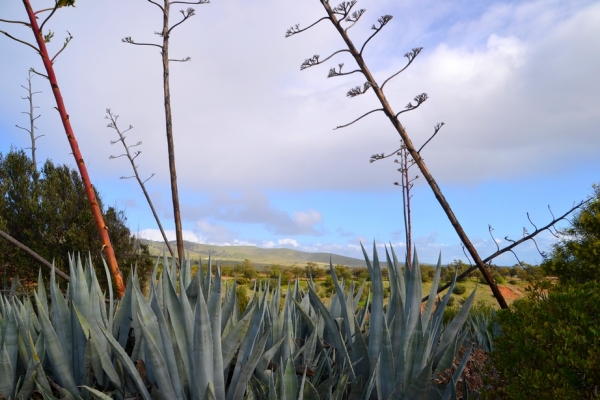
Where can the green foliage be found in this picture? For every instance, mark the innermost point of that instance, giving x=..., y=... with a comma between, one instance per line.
x=459, y=289
x=476, y=275
x=577, y=256
x=512, y=282
x=457, y=265
x=328, y=285
x=427, y=273
x=527, y=272
x=296, y=271
x=245, y=269
x=550, y=344
x=361, y=274
x=241, y=293
x=48, y=211
x=277, y=272
x=384, y=273
x=312, y=271
x=227, y=270
x=241, y=281
x=343, y=272
x=498, y=278
x=452, y=301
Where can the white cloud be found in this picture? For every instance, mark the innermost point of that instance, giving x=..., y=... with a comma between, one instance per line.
x=211, y=233
x=254, y=207
x=288, y=242
x=154, y=234
x=307, y=219
x=499, y=79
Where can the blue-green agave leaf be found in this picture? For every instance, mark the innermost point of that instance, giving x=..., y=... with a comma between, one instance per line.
x=377, y=318
x=56, y=354
x=127, y=364
x=159, y=365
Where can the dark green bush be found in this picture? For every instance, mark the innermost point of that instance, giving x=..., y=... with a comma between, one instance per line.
x=550, y=345
x=451, y=301
x=512, y=282
x=427, y=273
x=459, y=289
x=241, y=280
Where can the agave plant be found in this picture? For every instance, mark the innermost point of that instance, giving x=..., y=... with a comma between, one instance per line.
x=53, y=347
x=395, y=352
x=192, y=342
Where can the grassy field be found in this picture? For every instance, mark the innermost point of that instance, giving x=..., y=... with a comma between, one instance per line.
x=483, y=295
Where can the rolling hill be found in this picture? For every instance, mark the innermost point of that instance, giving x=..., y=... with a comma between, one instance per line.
x=226, y=255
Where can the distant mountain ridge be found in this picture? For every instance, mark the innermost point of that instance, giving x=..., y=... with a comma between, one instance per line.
x=260, y=256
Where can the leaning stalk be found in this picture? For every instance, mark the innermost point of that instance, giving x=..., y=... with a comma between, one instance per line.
x=387, y=109
x=60, y=106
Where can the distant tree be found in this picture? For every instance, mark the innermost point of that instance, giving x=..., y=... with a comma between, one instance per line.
x=273, y=270
x=361, y=273
x=342, y=272
x=427, y=273
x=576, y=256
x=457, y=265
x=527, y=272
x=476, y=276
x=312, y=271
x=52, y=217
x=296, y=271
x=385, y=273
x=245, y=269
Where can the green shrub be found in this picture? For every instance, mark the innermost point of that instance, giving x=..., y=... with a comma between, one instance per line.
x=512, y=282
x=242, y=297
x=241, y=280
x=550, y=345
x=361, y=274
x=576, y=255
x=499, y=278
x=245, y=269
x=459, y=289
x=451, y=301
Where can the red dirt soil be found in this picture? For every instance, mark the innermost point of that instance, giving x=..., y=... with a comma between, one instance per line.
x=510, y=294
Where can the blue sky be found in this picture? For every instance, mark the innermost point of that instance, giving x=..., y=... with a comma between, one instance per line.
x=516, y=84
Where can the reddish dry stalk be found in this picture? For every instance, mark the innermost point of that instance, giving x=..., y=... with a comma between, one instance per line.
x=60, y=105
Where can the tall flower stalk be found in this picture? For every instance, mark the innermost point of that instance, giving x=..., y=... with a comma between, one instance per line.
x=64, y=116
x=165, y=34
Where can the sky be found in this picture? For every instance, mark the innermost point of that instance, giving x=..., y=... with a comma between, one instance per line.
x=259, y=162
